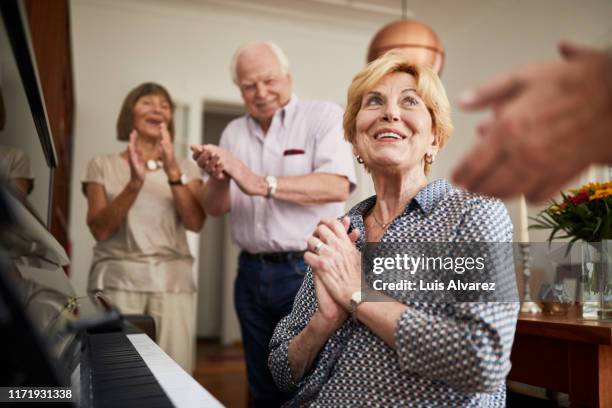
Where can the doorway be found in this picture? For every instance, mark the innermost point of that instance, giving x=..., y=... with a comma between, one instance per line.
x=217, y=254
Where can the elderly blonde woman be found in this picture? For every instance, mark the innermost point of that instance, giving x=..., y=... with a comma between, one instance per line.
x=397, y=352
x=140, y=202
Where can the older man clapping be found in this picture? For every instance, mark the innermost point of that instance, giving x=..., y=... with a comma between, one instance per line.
x=277, y=170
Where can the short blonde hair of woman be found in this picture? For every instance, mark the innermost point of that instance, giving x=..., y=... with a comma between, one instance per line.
x=125, y=121
x=428, y=86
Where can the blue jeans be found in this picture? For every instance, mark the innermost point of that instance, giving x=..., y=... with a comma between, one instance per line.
x=263, y=294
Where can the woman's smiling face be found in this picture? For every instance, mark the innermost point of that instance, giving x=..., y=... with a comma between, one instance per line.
x=149, y=112
x=394, y=126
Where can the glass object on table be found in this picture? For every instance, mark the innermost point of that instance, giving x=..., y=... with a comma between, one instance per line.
x=597, y=280
x=554, y=299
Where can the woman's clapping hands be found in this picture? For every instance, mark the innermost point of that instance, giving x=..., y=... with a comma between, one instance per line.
x=336, y=267
x=137, y=164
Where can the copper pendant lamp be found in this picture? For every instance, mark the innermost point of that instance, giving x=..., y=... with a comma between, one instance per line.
x=413, y=38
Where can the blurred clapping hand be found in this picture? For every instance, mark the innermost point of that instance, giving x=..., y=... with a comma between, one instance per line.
x=550, y=122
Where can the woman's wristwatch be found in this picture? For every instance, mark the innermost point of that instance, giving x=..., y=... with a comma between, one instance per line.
x=357, y=298
x=180, y=181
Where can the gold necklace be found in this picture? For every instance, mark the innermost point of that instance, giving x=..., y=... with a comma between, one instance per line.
x=382, y=224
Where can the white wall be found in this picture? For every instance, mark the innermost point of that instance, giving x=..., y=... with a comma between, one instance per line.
x=117, y=45
x=187, y=45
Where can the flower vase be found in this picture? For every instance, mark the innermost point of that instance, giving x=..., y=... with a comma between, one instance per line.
x=597, y=280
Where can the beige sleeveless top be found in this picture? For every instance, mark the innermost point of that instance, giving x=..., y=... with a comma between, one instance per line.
x=149, y=252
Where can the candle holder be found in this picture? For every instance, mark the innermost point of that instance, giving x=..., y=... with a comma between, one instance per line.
x=528, y=306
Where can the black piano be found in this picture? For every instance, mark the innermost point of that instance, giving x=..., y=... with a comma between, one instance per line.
x=51, y=336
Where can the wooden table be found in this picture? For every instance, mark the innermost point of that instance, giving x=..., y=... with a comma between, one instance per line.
x=565, y=354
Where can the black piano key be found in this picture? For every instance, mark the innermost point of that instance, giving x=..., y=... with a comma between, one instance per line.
x=128, y=395
x=119, y=376
x=129, y=382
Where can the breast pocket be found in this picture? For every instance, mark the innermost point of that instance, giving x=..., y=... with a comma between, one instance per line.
x=297, y=164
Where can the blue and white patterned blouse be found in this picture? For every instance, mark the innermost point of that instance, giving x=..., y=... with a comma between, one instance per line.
x=455, y=355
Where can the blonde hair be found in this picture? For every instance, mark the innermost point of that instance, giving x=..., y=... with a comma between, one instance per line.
x=125, y=121
x=428, y=86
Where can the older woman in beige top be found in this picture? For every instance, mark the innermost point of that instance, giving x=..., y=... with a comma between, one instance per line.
x=140, y=202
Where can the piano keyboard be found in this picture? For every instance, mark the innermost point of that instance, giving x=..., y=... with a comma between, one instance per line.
x=132, y=371
x=118, y=375
x=180, y=387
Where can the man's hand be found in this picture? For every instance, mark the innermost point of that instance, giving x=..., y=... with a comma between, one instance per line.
x=551, y=121
x=221, y=163
x=209, y=157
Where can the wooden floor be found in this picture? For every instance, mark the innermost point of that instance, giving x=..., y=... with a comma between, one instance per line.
x=222, y=371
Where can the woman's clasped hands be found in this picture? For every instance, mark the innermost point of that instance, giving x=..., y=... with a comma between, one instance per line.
x=336, y=267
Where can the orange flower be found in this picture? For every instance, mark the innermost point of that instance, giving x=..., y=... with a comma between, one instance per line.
x=590, y=187
x=601, y=193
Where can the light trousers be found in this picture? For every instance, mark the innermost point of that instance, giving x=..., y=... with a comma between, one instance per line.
x=174, y=319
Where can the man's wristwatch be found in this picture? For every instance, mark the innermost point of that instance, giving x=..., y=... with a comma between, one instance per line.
x=272, y=183
x=180, y=181
x=357, y=298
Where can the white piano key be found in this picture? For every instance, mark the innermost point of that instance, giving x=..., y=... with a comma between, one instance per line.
x=182, y=389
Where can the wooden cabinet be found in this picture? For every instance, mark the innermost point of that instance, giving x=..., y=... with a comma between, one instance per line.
x=565, y=354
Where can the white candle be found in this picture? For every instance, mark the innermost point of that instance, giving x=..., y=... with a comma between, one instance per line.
x=523, y=221
x=592, y=174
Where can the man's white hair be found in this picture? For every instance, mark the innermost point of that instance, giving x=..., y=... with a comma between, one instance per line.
x=280, y=55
